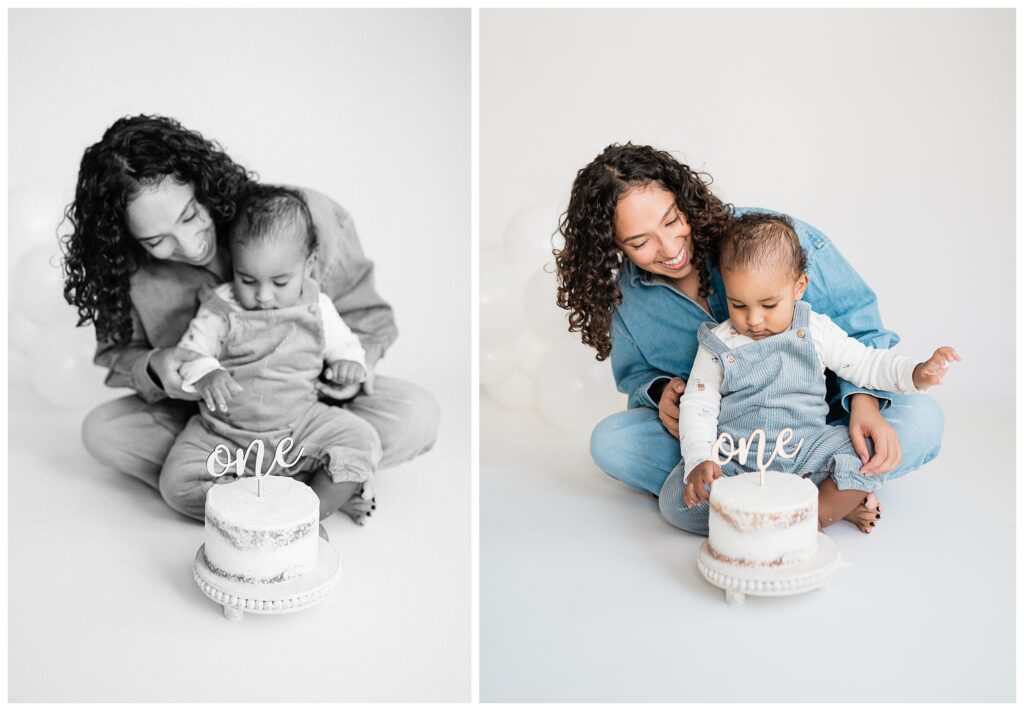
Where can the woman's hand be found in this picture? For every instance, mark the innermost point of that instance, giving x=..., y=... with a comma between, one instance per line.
x=668, y=405
x=867, y=421
x=164, y=363
x=702, y=475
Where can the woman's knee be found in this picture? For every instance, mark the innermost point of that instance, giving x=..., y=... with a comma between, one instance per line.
x=417, y=416
x=99, y=432
x=919, y=422
x=610, y=443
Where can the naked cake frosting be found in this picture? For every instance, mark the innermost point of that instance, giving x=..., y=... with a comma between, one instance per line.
x=265, y=539
x=763, y=526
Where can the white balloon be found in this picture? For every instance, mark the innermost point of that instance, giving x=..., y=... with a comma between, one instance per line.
x=37, y=286
x=575, y=391
x=514, y=392
x=543, y=316
x=496, y=362
x=20, y=331
x=61, y=369
x=501, y=306
x=529, y=351
x=532, y=234
x=33, y=217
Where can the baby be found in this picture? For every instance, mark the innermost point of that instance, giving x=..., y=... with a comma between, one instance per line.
x=765, y=368
x=264, y=338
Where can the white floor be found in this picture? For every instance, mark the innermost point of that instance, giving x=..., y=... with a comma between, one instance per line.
x=588, y=595
x=102, y=606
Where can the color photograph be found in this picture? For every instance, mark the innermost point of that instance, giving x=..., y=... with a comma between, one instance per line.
x=747, y=364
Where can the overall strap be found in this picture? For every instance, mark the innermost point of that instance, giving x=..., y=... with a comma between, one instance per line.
x=801, y=315
x=707, y=338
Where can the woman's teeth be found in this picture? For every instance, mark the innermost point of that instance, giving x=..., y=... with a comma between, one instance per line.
x=677, y=261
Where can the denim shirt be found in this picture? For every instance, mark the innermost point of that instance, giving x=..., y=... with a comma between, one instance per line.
x=654, y=329
x=165, y=297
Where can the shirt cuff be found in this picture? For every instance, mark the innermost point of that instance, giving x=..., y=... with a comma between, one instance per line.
x=847, y=390
x=192, y=371
x=145, y=386
x=646, y=397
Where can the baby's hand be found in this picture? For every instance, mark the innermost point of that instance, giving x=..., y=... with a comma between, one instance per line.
x=218, y=389
x=932, y=370
x=345, y=372
x=702, y=475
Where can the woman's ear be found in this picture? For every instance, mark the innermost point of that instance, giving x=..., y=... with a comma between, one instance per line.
x=801, y=286
x=310, y=263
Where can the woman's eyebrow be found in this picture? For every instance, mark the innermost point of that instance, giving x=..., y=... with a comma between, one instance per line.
x=180, y=215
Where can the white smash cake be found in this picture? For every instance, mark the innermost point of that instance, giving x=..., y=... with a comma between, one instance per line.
x=763, y=526
x=269, y=539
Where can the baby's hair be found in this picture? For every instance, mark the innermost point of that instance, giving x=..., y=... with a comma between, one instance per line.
x=762, y=241
x=271, y=213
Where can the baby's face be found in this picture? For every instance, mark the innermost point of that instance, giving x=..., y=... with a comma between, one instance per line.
x=761, y=304
x=270, y=275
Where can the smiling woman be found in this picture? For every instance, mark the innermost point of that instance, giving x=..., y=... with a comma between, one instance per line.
x=171, y=224
x=639, y=275
x=153, y=208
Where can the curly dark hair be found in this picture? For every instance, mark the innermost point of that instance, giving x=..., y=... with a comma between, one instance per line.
x=588, y=265
x=762, y=241
x=100, y=255
x=266, y=210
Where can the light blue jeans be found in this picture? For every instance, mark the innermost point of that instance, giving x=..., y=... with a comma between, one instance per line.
x=134, y=437
x=635, y=448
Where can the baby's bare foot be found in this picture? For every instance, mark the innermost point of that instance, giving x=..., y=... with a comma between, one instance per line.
x=361, y=505
x=866, y=514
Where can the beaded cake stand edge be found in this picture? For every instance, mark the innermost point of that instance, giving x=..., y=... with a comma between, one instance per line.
x=299, y=594
x=739, y=581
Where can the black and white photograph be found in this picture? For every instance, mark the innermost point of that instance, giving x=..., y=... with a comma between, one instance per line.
x=239, y=357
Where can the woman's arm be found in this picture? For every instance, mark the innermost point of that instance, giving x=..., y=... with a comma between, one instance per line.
x=634, y=376
x=346, y=276
x=837, y=291
x=128, y=364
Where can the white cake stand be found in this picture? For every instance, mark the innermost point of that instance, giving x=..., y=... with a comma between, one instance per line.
x=265, y=599
x=739, y=581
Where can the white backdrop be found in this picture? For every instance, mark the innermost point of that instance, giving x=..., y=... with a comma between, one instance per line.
x=891, y=131
x=371, y=108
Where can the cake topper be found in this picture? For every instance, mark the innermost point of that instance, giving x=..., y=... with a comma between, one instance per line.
x=242, y=456
x=743, y=449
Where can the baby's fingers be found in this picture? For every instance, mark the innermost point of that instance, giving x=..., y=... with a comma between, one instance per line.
x=219, y=397
x=207, y=394
x=233, y=388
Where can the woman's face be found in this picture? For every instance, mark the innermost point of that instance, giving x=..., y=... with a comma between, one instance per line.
x=653, y=232
x=170, y=223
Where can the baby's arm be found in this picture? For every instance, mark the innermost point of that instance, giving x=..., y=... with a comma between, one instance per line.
x=874, y=368
x=346, y=359
x=206, y=335
x=698, y=425
x=699, y=408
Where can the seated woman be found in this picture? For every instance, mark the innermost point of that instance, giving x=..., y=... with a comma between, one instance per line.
x=150, y=219
x=636, y=278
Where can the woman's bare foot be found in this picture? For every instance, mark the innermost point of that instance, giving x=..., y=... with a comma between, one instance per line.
x=361, y=504
x=866, y=514
x=834, y=505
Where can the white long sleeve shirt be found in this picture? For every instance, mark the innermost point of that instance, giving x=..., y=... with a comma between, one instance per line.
x=209, y=329
x=845, y=356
